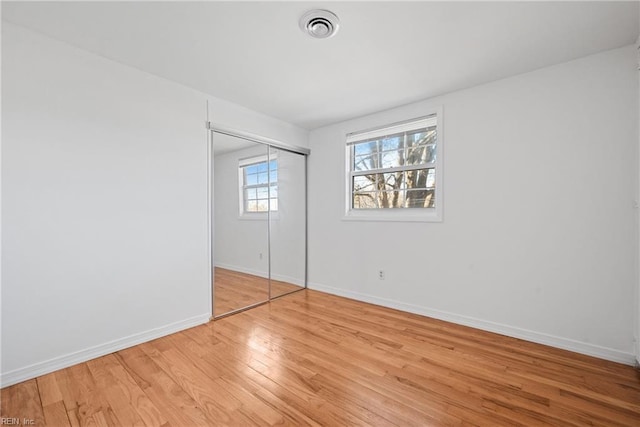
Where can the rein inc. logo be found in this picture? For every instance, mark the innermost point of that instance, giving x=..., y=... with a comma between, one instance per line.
x=9, y=421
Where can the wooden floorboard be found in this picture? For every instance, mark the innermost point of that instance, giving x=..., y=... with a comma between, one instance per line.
x=234, y=290
x=313, y=359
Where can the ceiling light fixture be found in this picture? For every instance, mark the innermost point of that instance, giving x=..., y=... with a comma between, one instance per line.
x=319, y=23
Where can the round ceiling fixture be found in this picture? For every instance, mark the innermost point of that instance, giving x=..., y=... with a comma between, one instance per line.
x=319, y=23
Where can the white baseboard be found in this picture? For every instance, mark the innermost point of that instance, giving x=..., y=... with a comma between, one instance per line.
x=288, y=279
x=264, y=274
x=511, y=331
x=57, y=363
x=279, y=277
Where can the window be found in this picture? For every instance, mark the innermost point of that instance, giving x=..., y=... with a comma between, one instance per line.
x=258, y=177
x=394, y=172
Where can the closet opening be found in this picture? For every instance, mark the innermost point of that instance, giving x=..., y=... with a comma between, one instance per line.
x=257, y=219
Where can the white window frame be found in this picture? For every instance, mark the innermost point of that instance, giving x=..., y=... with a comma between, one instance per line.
x=396, y=214
x=242, y=163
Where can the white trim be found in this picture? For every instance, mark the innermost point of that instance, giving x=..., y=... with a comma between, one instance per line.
x=429, y=165
x=393, y=215
x=390, y=129
x=288, y=279
x=61, y=362
x=254, y=160
x=247, y=136
x=210, y=213
x=638, y=53
x=263, y=274
x=499, y=328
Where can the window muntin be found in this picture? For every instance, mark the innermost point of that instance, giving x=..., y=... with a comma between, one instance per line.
x=258, y=185
x=394, y=167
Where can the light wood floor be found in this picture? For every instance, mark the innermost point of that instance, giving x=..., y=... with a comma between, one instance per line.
x=315, y=359
x=234, y=290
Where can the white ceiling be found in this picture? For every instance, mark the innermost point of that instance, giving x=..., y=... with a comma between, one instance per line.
x=386, y=53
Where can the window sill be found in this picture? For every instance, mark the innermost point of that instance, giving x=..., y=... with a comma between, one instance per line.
x=396, y=215
x=258, y=217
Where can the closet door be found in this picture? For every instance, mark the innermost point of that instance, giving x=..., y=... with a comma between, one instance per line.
x=287, y=222
x=241, y=199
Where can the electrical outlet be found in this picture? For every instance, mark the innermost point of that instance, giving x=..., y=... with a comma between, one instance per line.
x=381, y=274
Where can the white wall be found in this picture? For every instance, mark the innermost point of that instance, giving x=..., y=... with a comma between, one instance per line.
x=104, y=213
x=242, y=244
x=637, y=323
x=288, y=237
x=539, y=238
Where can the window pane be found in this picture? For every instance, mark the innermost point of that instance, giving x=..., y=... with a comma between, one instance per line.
x=363, y=148
x=363, y=183
x=420, y=199
x=262, y=193
x=392, y=159
x=365, y=200
x=390, y=199
x=420, y=178
x=274, y=204
x=421, y=147
x=392, y=180
x=417, y=198
x=391, y=142
x=379, y=199
x=250, y=194
x=251, y=179
x=251, y=169
x=431, y=178
x=413, y=148
x=261, y=178
x=252, y=206
x=262, y=205
x=403, y=187
x=366, y=162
